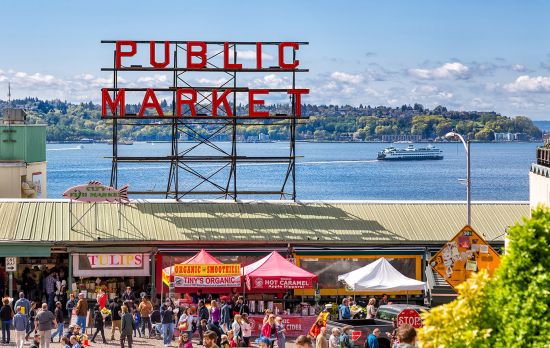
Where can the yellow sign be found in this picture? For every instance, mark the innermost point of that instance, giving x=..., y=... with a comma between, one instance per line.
x=221, y=269
x=466, y=253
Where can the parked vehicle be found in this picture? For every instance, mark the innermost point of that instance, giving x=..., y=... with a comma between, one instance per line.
x=361, y=328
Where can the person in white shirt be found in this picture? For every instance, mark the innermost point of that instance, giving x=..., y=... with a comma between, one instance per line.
x=246, y=330
x=334, y=340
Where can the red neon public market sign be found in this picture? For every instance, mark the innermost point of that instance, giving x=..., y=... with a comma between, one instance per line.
x=197, y=55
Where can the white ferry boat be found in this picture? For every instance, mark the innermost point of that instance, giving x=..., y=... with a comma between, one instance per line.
x=411, y=153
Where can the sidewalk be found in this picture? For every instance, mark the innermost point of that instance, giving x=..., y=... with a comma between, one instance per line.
x=137, y=342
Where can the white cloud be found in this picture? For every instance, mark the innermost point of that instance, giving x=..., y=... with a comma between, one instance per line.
x=154, y=79
x=251, y=55
x=345, y=77
x=519, y=67
x=454, y=70
x=526, y=83
x=271, y=81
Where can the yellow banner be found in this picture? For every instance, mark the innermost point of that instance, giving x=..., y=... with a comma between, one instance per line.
x=231, y=269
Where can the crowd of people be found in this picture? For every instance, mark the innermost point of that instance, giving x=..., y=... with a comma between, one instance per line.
x=218, y=323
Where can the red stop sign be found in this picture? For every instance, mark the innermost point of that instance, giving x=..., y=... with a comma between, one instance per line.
x=409, y=316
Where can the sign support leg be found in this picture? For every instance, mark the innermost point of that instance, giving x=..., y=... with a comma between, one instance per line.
x=10, y=287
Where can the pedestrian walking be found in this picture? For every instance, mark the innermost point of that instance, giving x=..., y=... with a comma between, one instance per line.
x=406, y=335
x=202, y=314
x=210, y=339
x=372, y=338
x=246, y=329
x=98, y=323
x=23, y=303
x=137, y=321
x=31, y=317
x=225, y=319
x=236, y=327
x=345, y=337
x=281, y=332
x=371, y=308
x=60, y=321
x=127, y=326
x=269, y=330
x=81, y=311
x=35, y=341
x=20, y=323
x=6, y=315
x=70, y=305
x=45, y=322
x=50, y=284
x=321, y=340
x=116, y=309
x=167, y=315
x=334, y=340
x=185, y=322
x=145, y=309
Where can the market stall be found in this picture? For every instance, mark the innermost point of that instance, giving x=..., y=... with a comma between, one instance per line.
x=111, y=271
x=202, y=271
x=270, y=277
x=380, y=275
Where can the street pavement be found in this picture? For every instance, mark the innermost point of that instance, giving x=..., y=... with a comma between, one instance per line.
x=137, y=342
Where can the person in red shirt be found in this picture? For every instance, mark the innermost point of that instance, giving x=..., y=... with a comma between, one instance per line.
x=102, y=298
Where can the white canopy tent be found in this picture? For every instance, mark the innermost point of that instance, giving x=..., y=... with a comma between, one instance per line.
x=380, y=275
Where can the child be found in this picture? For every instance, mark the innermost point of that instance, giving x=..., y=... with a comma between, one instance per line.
x=225, y=342
x=231, y=337
x=74, y=342
x=185, y=342
x=137, y=326
x=66, y=342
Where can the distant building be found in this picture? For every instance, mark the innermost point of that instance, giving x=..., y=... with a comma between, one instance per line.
x=263, y=137
x=401, y=137
x=504, y=136
x=539, y=177
x=22, y=156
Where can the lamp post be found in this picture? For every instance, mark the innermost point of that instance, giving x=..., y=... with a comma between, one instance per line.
x=454, y=135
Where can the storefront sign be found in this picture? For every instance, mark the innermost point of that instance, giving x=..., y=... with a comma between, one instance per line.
x=37, y=181
x=207, y=270
x=114, y=264
x=466, y=253
x=109, y=261
x=294, y=325
x=278, y=283
x=95, y=191
x=207, y=282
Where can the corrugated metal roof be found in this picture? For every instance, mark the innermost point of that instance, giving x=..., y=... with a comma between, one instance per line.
x=313, y=222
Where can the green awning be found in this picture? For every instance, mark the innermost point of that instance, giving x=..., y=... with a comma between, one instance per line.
x=19, y=250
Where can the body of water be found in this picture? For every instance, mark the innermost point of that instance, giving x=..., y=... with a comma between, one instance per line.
x=324, y=170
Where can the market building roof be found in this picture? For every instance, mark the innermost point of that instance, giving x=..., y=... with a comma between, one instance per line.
x=312, y=222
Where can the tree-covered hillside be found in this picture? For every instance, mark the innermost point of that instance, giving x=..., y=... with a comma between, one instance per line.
x=68, y=122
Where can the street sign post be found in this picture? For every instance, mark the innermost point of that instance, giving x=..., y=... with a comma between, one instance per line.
x=11, y=264
x=409, y=316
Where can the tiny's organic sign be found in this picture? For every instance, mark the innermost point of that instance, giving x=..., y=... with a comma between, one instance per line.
x=95, y=191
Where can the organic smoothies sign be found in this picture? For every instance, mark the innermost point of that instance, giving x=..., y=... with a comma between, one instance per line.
x=207, y=282
x=466, y=253
x=207, y=270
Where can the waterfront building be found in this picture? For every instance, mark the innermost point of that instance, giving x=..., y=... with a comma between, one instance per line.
x=539, y=177
x=22, y=156
x=326, y=238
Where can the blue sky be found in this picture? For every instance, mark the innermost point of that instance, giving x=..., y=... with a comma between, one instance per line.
x=466, y=55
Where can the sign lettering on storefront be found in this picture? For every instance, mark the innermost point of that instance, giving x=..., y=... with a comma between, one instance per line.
x=207, y=282
x=115, y=260
x=278, y=283
x=207, y=270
